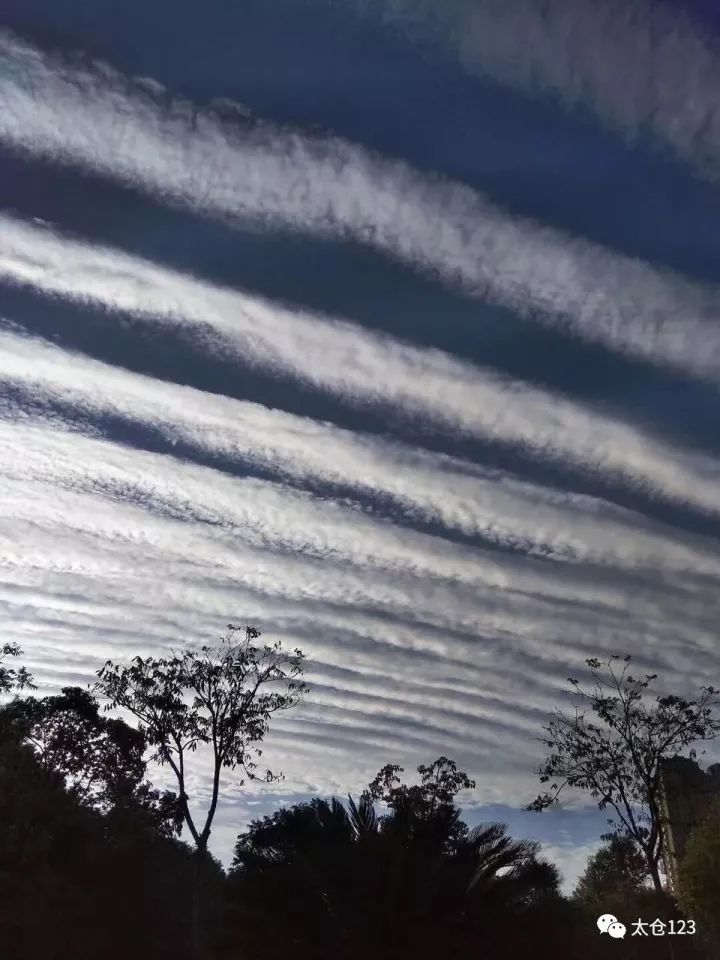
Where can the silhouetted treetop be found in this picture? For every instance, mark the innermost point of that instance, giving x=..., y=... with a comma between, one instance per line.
x=11, y=677
x=616, y=869
x=613, y=742
x=100, y=759
x=220, y=697
x=427, y=809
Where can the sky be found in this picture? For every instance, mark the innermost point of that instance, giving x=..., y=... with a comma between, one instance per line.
x=388, y=327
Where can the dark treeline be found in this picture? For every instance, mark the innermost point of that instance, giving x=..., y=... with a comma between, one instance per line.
x=92, y=864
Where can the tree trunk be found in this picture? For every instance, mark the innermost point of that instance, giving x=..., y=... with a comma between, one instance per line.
x=655, y=874
x=198, y=933
x=662, y=900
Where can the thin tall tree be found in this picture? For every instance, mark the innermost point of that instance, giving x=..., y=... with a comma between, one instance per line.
x=221, y=698
x=613, y=744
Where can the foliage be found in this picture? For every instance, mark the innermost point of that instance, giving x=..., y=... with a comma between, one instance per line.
x=11, y=678
x=425, y=811
x=75, y=882
x=629, y=906
x=100, y=759
x=222, y=698
x=346, y=881
x=699, y=876
x=617, y=869
x=89, y=865
x=613, y=743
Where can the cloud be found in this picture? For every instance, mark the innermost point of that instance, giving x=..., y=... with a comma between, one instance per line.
x=201, y=538
x=642, y=67
x=106, y=550
x=353, y=364
x=426, y=486
x=165, y=508
x=571, y=859
x=97, y=119
x=417, y=646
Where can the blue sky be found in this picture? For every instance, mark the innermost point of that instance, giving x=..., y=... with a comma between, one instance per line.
x=416, y=368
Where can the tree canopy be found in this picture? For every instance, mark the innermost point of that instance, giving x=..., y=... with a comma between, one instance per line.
x=80, y=881
x=221, y=698
x=426, y=810
x=699, y=875
x=100, y=759
x=617, y=869
x=349, y=880
x=90, y=864
x=12, y=677
x=612, y=745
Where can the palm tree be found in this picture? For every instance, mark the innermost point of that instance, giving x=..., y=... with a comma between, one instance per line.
x=346, y=881
x=511, y=871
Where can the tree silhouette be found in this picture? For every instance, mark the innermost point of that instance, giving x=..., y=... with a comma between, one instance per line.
x=613, y=744
x=77, y=882
x=699, y=886
x=221, y=698
x=426, y=810
x=617, y=869
x=216, y=697
x=90, y=865
x=343, y=880
x=101, y=759
x=11, y=678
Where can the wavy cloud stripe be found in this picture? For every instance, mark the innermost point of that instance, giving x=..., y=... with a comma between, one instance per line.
x=432, y=487
x=331, y=188
x=641, y=67
x=351, y=362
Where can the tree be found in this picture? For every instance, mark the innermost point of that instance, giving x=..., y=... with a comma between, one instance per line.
x=100, y=759
x=440, y=783
x=76, y=882
x=216, y=697
x=10, y=677
x=617, y=869
x=340, y=880
x=613, y=744
x=426, y=809
x=220, y=698
x=699, y=876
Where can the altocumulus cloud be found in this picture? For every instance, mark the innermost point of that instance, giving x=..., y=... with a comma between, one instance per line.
x=440, y=591
x=642, y=67
x=171, y=539
x=96, y=119
x=457, y=494
x=351, y=362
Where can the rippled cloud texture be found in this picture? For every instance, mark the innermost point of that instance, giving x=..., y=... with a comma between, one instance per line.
x=420, y=376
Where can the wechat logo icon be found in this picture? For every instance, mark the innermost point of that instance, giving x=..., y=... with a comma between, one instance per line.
x=609, y=924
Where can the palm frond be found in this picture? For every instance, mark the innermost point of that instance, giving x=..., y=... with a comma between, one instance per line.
x=363, y=818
